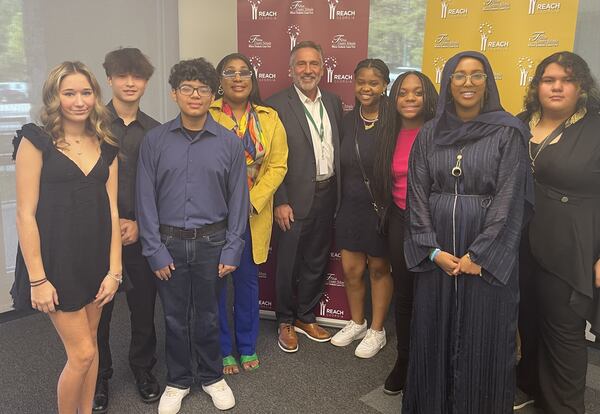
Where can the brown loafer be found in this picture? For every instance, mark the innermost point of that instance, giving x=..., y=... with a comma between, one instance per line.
x=312, y=331
x=288, y=340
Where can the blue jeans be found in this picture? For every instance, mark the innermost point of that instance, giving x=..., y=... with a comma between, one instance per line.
x=190, y=305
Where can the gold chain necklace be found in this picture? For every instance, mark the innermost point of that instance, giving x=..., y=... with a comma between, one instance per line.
x=368, y=123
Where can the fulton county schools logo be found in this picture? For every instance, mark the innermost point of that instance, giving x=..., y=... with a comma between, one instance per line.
x=495, y=5
x=293, y=32
x=543, y=6
x=261, y=14
x=438, y=66
x=443, y=41
x=451, y=12
x=485, y=30
x=525, y=64
x=540, y=39
x=334, y=13
x=256, y=41
x=298, y=7
x=339, y=41
x=332, y=280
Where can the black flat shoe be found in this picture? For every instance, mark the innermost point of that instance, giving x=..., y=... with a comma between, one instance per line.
x=147, y=386
x=100, y=404
x=395, y=381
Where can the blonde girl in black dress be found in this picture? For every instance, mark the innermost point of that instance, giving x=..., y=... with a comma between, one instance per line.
x=69, y=258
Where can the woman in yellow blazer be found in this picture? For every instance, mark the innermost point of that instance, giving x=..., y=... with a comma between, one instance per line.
x=241, y=110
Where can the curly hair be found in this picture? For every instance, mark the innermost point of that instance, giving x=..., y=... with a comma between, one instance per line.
x=392, y=124
x=128, y=60
x=98, y=122
x=578, y=69
x=198, y=69
x=254, y=96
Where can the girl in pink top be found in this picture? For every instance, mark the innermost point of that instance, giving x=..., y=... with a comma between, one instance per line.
x=413, y=99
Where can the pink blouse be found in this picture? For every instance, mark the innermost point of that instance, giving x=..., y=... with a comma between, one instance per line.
x=404, y=143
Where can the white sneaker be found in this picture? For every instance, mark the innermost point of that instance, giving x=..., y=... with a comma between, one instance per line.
x=221, y=395
x=371, y=344
x=170, y=401
x=351, y=332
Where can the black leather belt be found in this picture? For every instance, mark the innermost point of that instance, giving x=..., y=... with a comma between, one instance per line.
x=320, y=185
x=192, y=234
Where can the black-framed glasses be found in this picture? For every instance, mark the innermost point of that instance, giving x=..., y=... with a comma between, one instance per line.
x=460, y=78
x=188, y=90
x=231, y=74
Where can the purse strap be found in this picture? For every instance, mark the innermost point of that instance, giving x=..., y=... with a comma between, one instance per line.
x=362, y=169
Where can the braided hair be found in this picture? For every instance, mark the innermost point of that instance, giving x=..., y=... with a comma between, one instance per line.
x=390, y=125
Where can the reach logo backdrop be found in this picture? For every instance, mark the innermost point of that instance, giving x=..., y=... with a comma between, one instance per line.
x=515, y=35
x=267, y=31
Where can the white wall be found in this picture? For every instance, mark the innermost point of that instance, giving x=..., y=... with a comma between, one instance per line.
x=207, y=29
x=59, y=30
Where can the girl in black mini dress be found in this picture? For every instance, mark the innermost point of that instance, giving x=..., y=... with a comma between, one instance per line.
x=69, y=257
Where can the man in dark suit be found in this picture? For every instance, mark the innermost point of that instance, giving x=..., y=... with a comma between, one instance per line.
x=306, y=201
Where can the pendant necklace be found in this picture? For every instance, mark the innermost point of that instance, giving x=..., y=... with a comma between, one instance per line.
x=368, y=123
x=457, y=170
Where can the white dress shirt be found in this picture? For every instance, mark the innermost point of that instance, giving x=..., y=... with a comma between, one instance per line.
x=323, y=148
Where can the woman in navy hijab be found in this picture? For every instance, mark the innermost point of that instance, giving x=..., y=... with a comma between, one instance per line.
x=469, y=188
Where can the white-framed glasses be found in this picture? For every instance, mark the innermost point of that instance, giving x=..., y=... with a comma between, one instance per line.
x=231, y=74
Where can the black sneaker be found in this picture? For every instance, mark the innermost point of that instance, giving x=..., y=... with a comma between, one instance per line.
x=522, y=400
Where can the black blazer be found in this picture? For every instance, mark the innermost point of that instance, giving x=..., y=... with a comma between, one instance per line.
x=298, y=187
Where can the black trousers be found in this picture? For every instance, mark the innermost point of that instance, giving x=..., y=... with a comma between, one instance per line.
x=141, y=301
x=527, y=369
x=302, y=257
x=563, y=348
x=403, y=283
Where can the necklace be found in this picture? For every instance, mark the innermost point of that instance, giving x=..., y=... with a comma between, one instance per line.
x=457, y=170
x=546, y=141
x=78, y=150
x=368, y=123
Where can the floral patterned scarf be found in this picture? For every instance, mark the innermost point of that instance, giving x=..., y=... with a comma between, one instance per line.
x=251, y=134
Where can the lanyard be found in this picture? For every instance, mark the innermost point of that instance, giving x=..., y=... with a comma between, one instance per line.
x=321, y=130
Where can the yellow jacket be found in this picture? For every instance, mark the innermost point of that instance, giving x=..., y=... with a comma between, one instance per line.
x=270, y=176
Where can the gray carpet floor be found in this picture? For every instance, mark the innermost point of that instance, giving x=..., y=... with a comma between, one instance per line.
x=319, y=378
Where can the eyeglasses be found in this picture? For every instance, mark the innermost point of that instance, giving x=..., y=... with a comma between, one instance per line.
x=460, y=79
x=189, y=90
x=231, y=74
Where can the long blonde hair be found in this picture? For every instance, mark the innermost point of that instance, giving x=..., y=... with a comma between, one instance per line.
x=97, y=124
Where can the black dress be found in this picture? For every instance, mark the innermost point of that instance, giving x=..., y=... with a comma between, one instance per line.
x=74, y=224
x=356, y=221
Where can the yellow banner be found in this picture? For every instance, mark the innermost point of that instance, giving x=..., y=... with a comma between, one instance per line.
x=515, y=35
